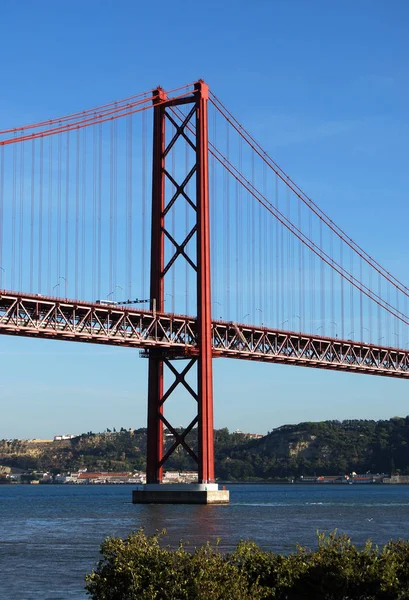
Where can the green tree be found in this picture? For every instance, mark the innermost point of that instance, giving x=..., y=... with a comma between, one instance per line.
x=139, y=567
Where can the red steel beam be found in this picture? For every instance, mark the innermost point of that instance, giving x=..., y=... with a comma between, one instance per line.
x=204, y=319
x=70, y=320
x=199, y=263
x=154, y=470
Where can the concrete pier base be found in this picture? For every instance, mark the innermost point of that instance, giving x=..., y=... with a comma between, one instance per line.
x=180, y=493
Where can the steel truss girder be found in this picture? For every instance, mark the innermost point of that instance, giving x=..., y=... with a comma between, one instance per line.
x=53, y=318
x=174, y=336
x=232, y=340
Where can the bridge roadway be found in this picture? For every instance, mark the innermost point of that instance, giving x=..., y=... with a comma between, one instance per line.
x=71, y=320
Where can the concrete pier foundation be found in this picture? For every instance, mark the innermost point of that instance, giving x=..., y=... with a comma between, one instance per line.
x=180, y=493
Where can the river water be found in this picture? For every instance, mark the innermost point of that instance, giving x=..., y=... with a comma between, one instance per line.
x=50, y=534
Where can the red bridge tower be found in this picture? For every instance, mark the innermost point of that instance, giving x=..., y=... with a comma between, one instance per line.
x=195, y=122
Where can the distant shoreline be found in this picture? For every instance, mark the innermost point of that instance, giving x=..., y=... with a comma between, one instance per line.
x=230, y=483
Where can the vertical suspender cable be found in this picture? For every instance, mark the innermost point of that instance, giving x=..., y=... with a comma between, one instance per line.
x=21, y=228
x=322, y=283
x=301, y=283
x=241, y=238
x=311, y=268
x=22, y=193
x=227, y=230
x=187, y=267
x=405, y=329
x=370, y=304
x=361, y=324
x=99, y=212
x=143, y=220
x=83, y=215
x=291, y=265
x=67, y=213
x=388, y=331
x=59, y=208
x=237, y=243
x=111, y=211
x=31, y=289
x=115, y=200
x=248, y=254
x=253, y=244
x=341, y=251
x=3, y=282
x=352, y=289
x=332, y=295
x=282, y=272
x=77, y=204
x=379, y=310
x=268, y=285
x=224, y=237
x=262, y=244
x=289, y=271
x=50, y=212
x=40, y=217
x=128, y=213
x=276, y=293
x=13, y=219
x=94, y=213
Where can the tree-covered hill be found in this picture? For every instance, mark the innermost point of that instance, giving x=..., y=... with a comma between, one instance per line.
x=321, y=448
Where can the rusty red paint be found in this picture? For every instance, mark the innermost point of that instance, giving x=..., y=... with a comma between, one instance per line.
x=158, y=359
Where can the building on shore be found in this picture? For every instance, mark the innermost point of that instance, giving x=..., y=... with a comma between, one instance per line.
x=103, y=477
x=353, y=478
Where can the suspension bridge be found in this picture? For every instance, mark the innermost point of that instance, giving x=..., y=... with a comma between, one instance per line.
x=176, y=233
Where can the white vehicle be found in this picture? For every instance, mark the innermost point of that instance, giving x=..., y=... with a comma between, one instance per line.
x=106, y=302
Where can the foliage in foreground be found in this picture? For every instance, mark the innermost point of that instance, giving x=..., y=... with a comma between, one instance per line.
x=139, y=567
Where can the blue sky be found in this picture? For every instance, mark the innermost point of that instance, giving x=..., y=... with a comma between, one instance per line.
x=324, y=87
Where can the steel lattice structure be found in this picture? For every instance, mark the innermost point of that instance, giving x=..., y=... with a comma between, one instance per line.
x=166, y=191
x=53, y=318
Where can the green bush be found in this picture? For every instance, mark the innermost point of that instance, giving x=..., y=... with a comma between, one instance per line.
x=139, y=567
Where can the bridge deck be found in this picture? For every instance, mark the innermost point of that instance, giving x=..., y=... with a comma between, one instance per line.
x=63, y=319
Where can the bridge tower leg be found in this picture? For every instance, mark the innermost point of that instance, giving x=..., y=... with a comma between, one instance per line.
x=191, y=127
